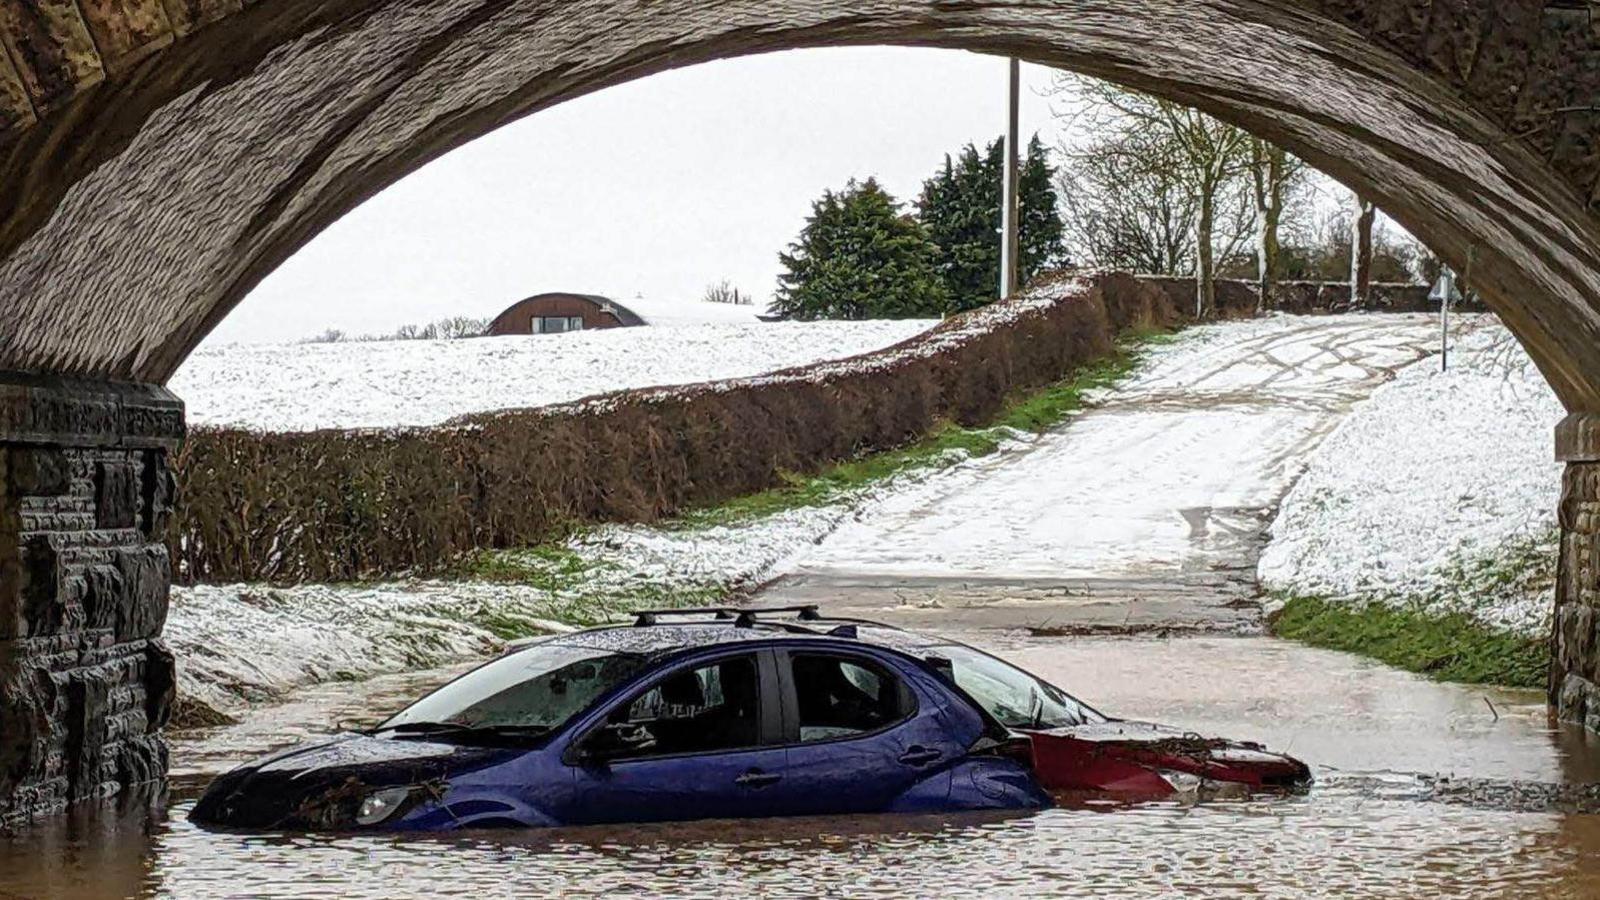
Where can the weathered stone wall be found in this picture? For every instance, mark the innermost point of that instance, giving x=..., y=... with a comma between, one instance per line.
x=85, y=682
x=1575, y=675
x=1237, y=298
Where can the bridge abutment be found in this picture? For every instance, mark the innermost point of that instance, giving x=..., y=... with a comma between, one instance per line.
x=1575, y=652
x=86, y=684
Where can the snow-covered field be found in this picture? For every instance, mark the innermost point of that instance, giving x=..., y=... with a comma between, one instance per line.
x=381, y=384
x=1434, y=472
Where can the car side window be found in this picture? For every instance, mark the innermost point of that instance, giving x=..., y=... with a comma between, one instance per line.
x=710, y=708
x=842, y=696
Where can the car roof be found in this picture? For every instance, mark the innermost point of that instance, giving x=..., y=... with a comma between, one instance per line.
x=660, y=633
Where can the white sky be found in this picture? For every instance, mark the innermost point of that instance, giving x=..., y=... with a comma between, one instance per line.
x=659, y=187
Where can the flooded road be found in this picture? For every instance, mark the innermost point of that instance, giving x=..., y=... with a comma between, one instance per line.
x=1373, y=826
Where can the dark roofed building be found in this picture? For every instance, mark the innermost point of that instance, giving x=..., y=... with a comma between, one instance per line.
x=558, y=312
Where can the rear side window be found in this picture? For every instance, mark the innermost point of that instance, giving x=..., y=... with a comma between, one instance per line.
x=841, y=696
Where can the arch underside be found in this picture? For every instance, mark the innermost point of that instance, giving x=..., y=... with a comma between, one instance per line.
x=136, y=215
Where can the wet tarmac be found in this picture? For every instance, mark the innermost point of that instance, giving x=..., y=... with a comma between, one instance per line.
x=1377, y=823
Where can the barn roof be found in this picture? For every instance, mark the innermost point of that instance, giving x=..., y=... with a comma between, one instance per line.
x=624, y=315
x=659, y=313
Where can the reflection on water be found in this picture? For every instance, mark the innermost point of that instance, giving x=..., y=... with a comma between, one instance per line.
x=1360, y=833
x=1334, y=842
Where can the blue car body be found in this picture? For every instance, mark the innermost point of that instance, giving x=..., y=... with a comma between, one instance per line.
x=941, y=752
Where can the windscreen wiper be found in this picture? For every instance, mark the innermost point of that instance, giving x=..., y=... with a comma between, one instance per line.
x=457, y=728
x=420, y=727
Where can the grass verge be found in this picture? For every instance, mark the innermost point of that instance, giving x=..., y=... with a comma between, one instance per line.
x=1452, y=646
x=1471, y=626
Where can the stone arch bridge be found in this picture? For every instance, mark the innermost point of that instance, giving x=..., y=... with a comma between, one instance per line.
x=159, y=157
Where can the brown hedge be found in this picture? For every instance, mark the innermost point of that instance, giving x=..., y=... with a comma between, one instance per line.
x=341, y=505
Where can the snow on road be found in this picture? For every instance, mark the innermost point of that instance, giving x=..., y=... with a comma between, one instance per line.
x=381, y=384
x=1176, y=471
x=1435, y=469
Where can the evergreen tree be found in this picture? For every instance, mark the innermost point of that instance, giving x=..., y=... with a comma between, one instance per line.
x=960, y=207
x=1041, y=228
x=859, y=258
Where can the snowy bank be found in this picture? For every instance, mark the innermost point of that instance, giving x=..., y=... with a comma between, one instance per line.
x=1435, y=477
x=242, y=644
x=379, y=384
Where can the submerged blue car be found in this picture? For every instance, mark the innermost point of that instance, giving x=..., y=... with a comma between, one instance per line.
x=698, y=714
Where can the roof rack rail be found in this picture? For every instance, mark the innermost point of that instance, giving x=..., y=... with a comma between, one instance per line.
x=741, y=618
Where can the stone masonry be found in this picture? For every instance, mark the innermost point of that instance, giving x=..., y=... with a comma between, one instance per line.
x=85, y=681
x=1575, y=670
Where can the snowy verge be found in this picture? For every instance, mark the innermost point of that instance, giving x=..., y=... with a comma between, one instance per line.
x=1438, y=491
x=382, y=384
x=243, y=644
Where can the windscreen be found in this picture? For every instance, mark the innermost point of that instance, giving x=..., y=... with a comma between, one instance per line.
x=1015, y=698
x=539, y=688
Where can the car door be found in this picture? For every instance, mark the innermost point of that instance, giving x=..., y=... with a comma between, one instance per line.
x=700, y=741
x=861, y=737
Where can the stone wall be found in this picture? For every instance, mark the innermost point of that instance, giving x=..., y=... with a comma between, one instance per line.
x=1575, y=650
x=1575, y=673
x=1237, y=298
x=85, y=682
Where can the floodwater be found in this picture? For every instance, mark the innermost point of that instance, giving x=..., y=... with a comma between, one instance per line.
x=1372, y=827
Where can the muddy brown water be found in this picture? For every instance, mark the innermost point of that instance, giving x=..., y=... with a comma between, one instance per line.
x=1370, y=828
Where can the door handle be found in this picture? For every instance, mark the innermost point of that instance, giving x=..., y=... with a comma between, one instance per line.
x=755, y=778
x=919, y=756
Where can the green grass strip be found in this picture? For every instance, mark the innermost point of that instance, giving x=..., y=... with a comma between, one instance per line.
x=1449, y=646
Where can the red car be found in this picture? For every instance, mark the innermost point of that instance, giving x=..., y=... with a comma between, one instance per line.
x=1073, y=749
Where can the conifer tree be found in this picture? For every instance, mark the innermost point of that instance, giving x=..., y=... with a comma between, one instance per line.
x=960, y=207
x=860, y=258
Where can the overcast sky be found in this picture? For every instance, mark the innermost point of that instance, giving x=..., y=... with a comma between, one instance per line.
x=659, y=187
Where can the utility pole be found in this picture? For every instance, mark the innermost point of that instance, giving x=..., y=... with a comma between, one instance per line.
x=1010, y=213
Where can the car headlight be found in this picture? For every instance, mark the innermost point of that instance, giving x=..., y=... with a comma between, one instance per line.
x=1182, y=782
x=379, y=806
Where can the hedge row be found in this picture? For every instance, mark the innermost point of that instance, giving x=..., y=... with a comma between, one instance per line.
x=341, y=505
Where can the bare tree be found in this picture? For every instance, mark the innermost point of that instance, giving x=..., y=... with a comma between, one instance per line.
x=1123, y=214
x=457, y=327
x=1182, y=150
x=1366, y=215
x=1275, y=177
x=724, y=292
